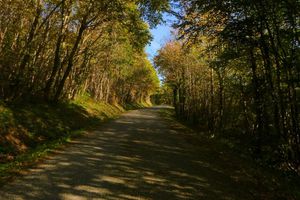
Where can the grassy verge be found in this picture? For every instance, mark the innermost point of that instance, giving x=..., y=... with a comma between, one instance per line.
x=133, y=106
x=263, y=182
x=30, y=132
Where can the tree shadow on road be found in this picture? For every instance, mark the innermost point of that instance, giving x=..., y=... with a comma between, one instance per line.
x=138, y=157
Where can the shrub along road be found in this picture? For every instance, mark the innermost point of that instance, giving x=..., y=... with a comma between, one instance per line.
x=142, y=155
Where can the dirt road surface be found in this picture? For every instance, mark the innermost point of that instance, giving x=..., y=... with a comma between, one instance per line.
x=139, y=156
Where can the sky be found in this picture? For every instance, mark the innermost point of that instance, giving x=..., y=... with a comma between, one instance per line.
x=161, y=34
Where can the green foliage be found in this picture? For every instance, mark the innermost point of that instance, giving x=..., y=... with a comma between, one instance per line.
x=152, y=10
x=6, y=117
x=234, y=73
x=163, y=95
x=56, y=50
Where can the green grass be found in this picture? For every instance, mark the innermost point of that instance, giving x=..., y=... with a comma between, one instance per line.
x=133, y=106
x=29, y=132
x=9, y=169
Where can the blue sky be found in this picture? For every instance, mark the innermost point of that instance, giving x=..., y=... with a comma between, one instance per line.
x=161, y=34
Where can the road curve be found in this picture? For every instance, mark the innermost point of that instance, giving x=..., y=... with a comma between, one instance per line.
x=141, y=155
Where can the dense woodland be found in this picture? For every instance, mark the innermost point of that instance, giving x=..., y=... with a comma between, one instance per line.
x=234, y=71
x=54, y=50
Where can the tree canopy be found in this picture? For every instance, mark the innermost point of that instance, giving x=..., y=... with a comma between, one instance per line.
x=57, y=49
x=234, y=68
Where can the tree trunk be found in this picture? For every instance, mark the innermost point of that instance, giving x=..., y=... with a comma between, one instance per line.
x=70, y=60
x=258, y=129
